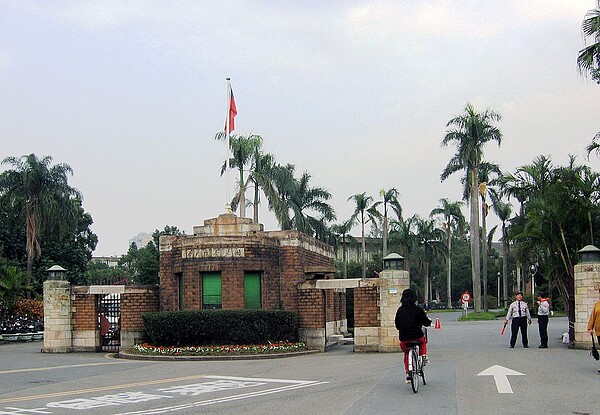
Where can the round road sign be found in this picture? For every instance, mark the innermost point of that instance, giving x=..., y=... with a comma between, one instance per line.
x=465, y=297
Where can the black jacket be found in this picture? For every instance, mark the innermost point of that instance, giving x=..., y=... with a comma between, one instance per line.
x=409, y=321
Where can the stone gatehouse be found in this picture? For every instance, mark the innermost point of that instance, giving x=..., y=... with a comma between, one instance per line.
x=232, y=263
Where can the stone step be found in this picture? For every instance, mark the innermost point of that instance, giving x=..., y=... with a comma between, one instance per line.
x=347, y=340
x=335, y=338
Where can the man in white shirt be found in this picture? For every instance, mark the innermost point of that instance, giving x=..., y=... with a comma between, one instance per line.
x=543, y=315
x=518, y=313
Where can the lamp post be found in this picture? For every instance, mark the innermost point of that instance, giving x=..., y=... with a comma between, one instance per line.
x=533, y=269
x=498, y=289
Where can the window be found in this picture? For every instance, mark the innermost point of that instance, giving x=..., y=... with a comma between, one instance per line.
x=211, y=290
x=252, y=290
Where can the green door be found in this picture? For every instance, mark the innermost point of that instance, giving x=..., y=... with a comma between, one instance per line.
x=211, y=290
x=252, y=290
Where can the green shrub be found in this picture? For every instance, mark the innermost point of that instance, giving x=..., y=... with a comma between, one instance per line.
x=210, y=327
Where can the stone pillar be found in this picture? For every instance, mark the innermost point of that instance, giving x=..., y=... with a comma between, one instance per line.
x=587, y=284
x=58, y=323
x=392, y=283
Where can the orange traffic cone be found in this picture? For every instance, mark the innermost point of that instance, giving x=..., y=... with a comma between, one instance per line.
x=438, y=325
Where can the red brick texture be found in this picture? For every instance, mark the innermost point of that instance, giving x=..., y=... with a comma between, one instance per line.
x=366, y=307
x=136, y=301
x=85, y=315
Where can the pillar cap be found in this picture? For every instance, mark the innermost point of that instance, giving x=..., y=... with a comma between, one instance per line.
x=589, y=253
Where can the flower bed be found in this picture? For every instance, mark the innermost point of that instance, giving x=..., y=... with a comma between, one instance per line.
x=233, y=350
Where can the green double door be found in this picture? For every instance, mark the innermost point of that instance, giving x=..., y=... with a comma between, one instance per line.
x=212, y=294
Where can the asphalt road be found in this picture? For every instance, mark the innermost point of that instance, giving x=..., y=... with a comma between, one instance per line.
x=549, y=381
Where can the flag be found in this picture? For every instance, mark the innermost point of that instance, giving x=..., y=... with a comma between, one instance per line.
x=232, y=113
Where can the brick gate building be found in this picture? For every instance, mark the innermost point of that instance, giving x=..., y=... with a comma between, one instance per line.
x=232, y=263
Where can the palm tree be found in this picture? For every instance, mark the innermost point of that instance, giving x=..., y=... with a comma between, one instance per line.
x=588, y=59
x=342, y=230
x=471, y=131
x=302, y=199
x=503, y=211
x=430, y=240
x=262, y=177
x=43, y=193
x=594, y=146
x=365, y=212
x=13, y=284
x=488, y=178
x=390, y=198
x=590, y=193
x=452, y=218
x=243, y=149
x=401, y=233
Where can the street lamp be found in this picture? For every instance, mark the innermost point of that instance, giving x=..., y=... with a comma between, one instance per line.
x=498, y=289
x=533, y=269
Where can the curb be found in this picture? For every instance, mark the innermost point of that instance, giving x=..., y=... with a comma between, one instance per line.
x=131, y=356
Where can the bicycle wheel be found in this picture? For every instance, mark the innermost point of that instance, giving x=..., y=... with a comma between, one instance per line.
x=414, y=356
x=421, y=371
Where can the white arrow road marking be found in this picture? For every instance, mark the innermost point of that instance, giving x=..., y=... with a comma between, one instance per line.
x=500, y=374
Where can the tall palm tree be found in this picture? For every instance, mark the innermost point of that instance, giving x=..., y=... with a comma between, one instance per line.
x=488, y=178
x=401, y=234
x=284, y=181
x=342, y=231
x=452, y=218
x=471, y=131
x=243, y=149
x=588, y=59
x=302, y=200
x=364, y=212
x=503, y=211
x=430, y=241
x=262, y=176
x=43, y=192
x=389, y=198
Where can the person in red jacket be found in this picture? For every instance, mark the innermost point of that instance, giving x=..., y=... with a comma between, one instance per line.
x=410, y=319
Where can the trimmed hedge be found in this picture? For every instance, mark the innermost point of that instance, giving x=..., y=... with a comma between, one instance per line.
x=210, y=327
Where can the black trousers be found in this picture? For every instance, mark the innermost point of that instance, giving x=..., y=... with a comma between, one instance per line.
x=543, y=327
x=518, y=323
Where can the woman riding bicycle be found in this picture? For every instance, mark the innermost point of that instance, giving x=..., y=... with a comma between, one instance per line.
x=410, y=319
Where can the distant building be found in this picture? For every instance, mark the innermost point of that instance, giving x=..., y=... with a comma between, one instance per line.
x=140, y=240
x=373, y=246
x=111, y=261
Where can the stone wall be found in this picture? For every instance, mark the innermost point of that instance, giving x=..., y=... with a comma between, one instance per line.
x=587, y=284
x=58, y=324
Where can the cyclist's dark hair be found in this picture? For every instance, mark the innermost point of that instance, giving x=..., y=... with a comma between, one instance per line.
x=409, y=298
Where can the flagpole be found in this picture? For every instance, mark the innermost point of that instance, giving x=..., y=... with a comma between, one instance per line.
x=228, y=132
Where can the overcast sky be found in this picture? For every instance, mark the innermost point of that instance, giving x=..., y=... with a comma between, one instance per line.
x=358, y=93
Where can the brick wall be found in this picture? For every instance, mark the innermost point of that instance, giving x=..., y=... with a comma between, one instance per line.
x=310, y=308
x=85, y=314
x=366, y=307
x=136, y=301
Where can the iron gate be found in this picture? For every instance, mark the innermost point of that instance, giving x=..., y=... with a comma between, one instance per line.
x=109, y=322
